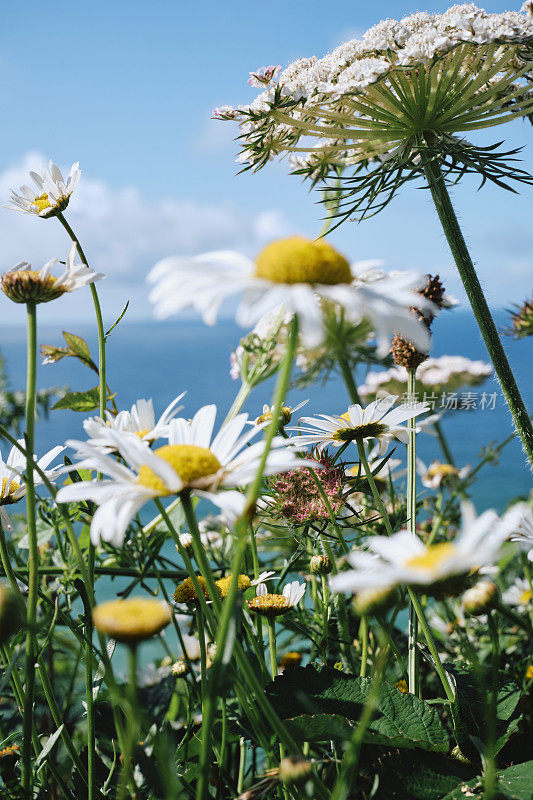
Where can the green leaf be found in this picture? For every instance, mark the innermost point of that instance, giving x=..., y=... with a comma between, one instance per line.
x=326, y=703
x=514, y=783
x=44, y=534
x=114, y=325
x=78, y=346
x=41, y=758
x=410, y=776
x=79, y=401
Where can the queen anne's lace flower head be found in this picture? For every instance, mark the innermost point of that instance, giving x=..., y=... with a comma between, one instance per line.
x=407, y=85
x=52, y=195
x=434, y=376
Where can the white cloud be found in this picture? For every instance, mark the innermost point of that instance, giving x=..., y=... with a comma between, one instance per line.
x=123, y=234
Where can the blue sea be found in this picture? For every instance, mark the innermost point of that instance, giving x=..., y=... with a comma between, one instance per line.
x=161, y=360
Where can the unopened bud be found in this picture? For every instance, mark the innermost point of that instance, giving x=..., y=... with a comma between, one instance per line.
x=11, y=612
x=291, y=659
x=294, y=770
x=321, y=565
x=374, y=601
x=180, y=668
x=458, y=755
x=480, y=598
x=186, y=542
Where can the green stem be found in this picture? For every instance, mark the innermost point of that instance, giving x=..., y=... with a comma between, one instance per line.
x=240, y=400
x=242, y=762
x=33, y=559
x=348, y=378
x=412, y=660
x=374, y=489
x=363, y=635
x=131, y=739
x=490, y=777
x=414, y=599
x=453, y=233
x=325, y=616
x=272, y=646
x=443, y=443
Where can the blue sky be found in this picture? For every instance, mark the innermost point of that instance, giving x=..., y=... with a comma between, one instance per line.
x=127, y=89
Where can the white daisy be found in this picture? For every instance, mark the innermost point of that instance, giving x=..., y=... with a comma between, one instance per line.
x=297, y=273
x=139, y=421
x=519, y=595
x=12, y=486
x=524, y=530
x=376, y=421
x=287, y=413
x=273, y=605
x=436, y=474
x=403, y=559
x=212, y=468
x=22, y=283
x=52, y=195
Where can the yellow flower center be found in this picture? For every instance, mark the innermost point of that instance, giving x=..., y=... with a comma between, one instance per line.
x=223, y=584
x=299, y=260
x=190, y=462
x=434, y=555
x=442, y=471
x=368, y=431
x=269, y=605
x=186, y=593
x=525, y=597
x=42, y=202
x=131, y=620
x=7, y=492
x=142, y=433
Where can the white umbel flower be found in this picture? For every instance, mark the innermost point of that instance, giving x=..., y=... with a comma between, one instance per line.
x=403, y=559
x=298, y=274
x=12, y=486
x=376, y=421
x=140, y=422
x=52, y=195
x=213, y=468
x=22, y=283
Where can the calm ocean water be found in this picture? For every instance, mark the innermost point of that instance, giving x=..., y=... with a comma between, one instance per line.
x=160, y=360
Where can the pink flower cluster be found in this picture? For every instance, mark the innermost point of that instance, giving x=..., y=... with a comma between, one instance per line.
x=296, y=497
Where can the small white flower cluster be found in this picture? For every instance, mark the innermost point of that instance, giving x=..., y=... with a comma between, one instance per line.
x=333, y=100
x=435, y=375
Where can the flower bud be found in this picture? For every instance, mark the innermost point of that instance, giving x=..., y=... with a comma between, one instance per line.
x=457, y=755
x=291, y=659
x=294, y=770
x=186, y=542
x=481, y=598
x=374, y=601
x=11, y=612
x=180, y=668
x=321, y=565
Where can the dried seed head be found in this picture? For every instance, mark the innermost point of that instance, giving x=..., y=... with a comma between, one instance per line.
x=404, y=353
x=294, y=770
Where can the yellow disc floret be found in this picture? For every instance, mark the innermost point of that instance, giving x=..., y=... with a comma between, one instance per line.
x=42, y=202
x=269, y=605
x=186, y=593
x=8, y=491
x=442, y=471
x=24, y=286
x=132, y=620
x=299, y=260
x=190, y=462
x=433, y=557
x=223, y=584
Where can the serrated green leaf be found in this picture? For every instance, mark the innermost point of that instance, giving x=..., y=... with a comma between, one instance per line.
x=410, y=776
x=79, y=401
x=327, y=703
x=78, y=346
x=514, y=783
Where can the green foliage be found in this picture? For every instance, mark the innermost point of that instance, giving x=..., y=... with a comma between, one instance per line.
x=325, y=704
x=79, y=401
